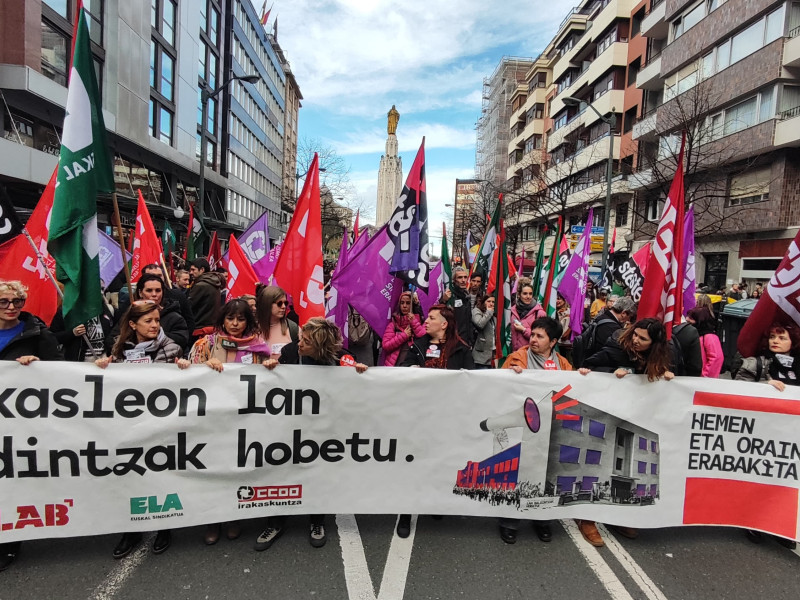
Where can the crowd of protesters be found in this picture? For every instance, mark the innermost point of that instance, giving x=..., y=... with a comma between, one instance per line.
x=190, y=322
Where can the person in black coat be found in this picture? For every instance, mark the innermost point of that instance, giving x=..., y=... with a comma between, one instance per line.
x=441, y=347
x=25, y=339
x=458, y=299
x=151, y=287
x=320, y=344
x=177, y=294
x=73, y=341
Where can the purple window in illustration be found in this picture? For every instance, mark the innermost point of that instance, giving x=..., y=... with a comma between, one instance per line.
x=593, y=457
x=586, y=484
x=574, y=425
x=597, y=429
x=653, y=469
x=654, y=489
x=641, y=489
x=642, y=466
x=653, y=446
x=642, y=443
x=565, y=484
x=569, y=454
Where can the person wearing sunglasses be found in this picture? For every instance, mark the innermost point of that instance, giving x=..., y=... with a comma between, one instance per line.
x=271, y=313
x=25, y=339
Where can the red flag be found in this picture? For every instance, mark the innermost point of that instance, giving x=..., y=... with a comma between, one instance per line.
x=355, y=227
x=299, y=268
x=511, y=269
x=642, y=257
x=242, y=278
x=20, y=262
x=662, y=295
x=780, y=302
x=146, y=245
x=214, y=251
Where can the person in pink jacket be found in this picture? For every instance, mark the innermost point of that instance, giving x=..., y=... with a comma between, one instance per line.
x=710, y=346
x=401, y=331
x=524, y=312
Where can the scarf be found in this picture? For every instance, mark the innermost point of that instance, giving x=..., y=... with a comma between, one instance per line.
x=523, y=309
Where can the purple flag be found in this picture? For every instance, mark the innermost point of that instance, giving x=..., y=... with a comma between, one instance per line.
x=268, y=265
x=358, y=245
x=335, y=305
x=690, y=275
x=366, y=284
x=255, y=243
x=435, y=290
x=110, y=257
x=573, y=283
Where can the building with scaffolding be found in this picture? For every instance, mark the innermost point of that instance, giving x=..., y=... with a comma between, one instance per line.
x=491, y=148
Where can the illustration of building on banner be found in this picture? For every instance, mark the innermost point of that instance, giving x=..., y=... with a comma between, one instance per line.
x=592, y=456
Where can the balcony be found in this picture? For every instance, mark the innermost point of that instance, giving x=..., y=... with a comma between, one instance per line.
x=655, y=25
x=615, y=55
x=787, y=129
x=641, y=179
x=645, y=127
x=791, y=49
x=649, y=77
x=615, y=9
x=593, y=153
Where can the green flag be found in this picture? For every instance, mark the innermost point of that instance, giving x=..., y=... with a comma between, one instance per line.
x=552, y=280
x=447, y=268
x=537, y=274
x=195, y=237
x=483, y=257
x=84, y=169
x=168, y=241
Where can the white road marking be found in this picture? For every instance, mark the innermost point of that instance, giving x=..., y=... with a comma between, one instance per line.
x=610, y=581
x=356, y=572
x=395, y=572
x=124, y=569
x=633, y=569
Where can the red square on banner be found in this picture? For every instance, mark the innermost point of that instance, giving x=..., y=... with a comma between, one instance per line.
x=771, y=508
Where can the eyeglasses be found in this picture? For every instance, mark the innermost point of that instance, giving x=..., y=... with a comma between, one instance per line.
x=17, y=302
x=281, y=303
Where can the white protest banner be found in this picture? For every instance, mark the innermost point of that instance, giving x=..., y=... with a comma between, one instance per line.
x=89, y=451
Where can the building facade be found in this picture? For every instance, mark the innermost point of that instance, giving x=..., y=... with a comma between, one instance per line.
x=152, y=58
x=727, y=73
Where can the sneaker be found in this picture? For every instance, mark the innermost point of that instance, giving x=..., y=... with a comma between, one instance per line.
x=267, y=538
x=317, y=537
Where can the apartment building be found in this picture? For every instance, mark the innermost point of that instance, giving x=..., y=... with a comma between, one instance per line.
x=727, y=73
x=152, y=58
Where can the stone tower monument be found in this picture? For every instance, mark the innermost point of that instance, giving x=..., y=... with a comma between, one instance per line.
x=390, y=174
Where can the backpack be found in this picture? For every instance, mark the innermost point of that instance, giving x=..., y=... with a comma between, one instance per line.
x=584, y=344
x=738, y=360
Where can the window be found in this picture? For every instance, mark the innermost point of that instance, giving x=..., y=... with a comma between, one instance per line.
x=653, y=446
x=654, y=209
x=741, y=116
x=633, y=71
x=642, y=443
x=750, y=187
x=163, y=57
x=599, y=217
x=593, y=457
x=688, y=20
x=54, y=54
x=748, y=41
x=564, y=484
x=58, y=17
x=575, y=425
x=622, y=215
x=653, y=469
x=570, y=454
x=597, y=429
x=641, y=466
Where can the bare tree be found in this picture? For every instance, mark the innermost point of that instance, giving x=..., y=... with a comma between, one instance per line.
x=713, y=159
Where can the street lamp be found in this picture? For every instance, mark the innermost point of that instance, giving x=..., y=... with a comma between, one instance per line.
x=205, y=95
x=298, y=177
x=611, y=122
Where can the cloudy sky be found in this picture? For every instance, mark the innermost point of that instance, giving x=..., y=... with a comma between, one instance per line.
x=353, y=59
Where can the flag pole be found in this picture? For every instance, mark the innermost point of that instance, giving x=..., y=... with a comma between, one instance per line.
x=54, y=282
x=122, y=245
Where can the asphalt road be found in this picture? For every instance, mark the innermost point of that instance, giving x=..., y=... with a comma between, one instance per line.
x=457, y=557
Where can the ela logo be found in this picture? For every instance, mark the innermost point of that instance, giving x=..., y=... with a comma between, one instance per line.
x=55, y=515
x=149, y=504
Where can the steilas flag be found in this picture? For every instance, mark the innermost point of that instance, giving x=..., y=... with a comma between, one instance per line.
x=241, y=276
x=779, y=304
x=20, y=262
x=299, y=268
x=146, y=245
x=662, y=294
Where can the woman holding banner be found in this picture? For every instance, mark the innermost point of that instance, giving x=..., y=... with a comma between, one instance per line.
x=235, y=340
x=25, y=339
x=143, y=341
x=401, y=331
x=271, y=313
x=778, y=364
x=320, y=343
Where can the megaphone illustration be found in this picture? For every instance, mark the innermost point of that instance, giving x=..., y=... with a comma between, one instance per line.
x=526, y=416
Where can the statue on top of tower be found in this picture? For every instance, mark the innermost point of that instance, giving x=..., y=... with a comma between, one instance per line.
x=394, y=117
